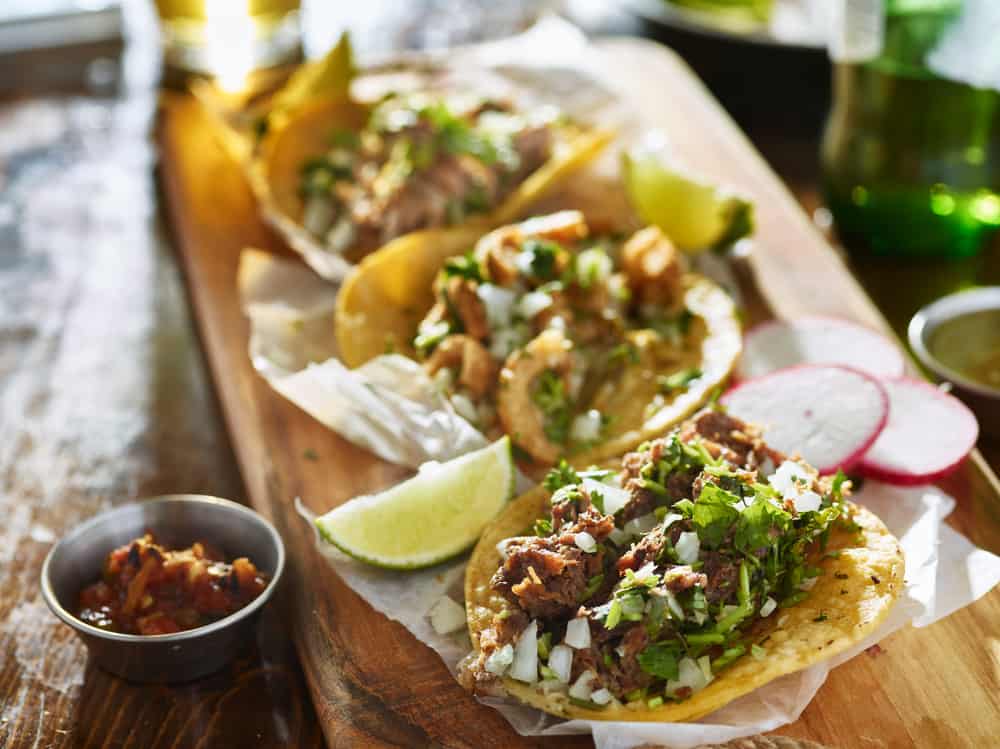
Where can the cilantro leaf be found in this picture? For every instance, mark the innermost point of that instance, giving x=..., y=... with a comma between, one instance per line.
x=659, y=660
x=464, y=266
x=714, y=514
x=550, y=396
x=560, y=476
x=761, y=524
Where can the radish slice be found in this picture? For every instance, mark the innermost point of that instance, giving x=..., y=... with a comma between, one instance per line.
x=928, y=435
x=830, y=415
x=777, y=344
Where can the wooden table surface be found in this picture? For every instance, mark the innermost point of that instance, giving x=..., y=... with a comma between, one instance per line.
x=104, y=397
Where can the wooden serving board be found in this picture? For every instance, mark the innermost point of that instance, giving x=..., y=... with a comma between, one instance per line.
x=374, y=684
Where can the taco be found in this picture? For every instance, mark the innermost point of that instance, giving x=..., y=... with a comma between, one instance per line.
x=343, y=174
x=694, y=570
x=573, y=342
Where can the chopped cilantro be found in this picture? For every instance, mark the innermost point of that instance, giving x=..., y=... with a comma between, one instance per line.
x=758, y=652
x=310, y=454
x=593, y=585
x=464, y=266
x=560, y=476
x=550, y=396
x=543, y=527
x=430, y=335
x=544, y=645
x=614, y=614
x=678, y=380
x=760, y=524
x=822, y=617
x=540, y=258
x=714, y=514
x=624, y=353
x=660, y=660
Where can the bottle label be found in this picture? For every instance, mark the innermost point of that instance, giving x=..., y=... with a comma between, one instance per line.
x=857, y=30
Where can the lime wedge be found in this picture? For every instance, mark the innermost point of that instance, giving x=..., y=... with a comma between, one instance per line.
x=694, y=213
x=433, y=516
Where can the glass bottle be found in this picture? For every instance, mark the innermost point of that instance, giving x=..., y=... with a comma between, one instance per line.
x=911, y=151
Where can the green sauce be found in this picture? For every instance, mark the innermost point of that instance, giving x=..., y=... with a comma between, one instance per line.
x=970, y=345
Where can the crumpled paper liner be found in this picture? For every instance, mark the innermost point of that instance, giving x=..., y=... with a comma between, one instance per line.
x=944, y=572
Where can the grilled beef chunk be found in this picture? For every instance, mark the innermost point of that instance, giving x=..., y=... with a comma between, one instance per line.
x=650, y=546
x=681, y=577
x=548, y=576
x=567, y=504
x=729, y=437
x=723, y=575
x=620, y=673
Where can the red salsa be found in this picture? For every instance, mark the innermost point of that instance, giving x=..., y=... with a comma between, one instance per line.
x=146, y=589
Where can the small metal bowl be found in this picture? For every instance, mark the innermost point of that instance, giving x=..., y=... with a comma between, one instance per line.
x=177, y=521
x=981, y=398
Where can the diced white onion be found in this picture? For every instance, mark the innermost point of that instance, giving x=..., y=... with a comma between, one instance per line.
x=687, y=547
x=585, y=542
x=447, y=616
x=532, y=303
x=600, y=697
x=807, y=501
x=674, y=606
x=614, y=497
x=809, y=583
x=670, y=518
x=784, y=480
x=647, y=570
x=504, y=340
x=642, y=525
x=586, y=427
x=318, y=215
x=689, y=674
x=582, y=689
x=561, y=662
x=727, y=610
x=578, y=633
x=500, y=659
x=593, y=265
x=499, y=304
x=464, y=407
x=525, y=666
x=705, y=664
x=769, y=606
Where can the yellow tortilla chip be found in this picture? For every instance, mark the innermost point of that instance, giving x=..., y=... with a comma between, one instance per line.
x=849, y=601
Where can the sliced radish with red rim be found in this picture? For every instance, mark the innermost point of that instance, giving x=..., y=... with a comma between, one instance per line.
x=777, y=344
x=928, y=435
x=828, y=414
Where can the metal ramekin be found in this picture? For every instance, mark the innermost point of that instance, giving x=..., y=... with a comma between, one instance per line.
x=982, y=399
x=177, y=520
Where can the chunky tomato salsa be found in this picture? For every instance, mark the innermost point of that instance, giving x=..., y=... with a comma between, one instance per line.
x=147, y=589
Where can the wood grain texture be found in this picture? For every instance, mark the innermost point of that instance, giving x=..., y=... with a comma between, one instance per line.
x=103, y=399
x=372, y=683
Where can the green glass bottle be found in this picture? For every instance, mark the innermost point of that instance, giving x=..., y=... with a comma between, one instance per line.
x=911, y=151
